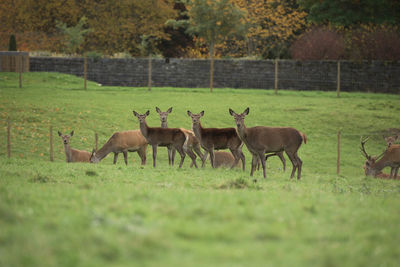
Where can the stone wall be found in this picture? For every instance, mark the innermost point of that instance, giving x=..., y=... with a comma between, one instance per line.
x=375, y=76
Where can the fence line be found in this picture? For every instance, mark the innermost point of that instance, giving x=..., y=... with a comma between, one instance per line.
x=375, y=76
x=51, y=149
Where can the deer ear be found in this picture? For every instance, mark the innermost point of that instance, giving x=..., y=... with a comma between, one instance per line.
x=169, y=110
x=147, y=113
x=158, y=110
x=72, y=133
x=59, y=133
x=189, y=113
x=231, y=112
x=246, y=112
x=202, y=113
x=135, y=113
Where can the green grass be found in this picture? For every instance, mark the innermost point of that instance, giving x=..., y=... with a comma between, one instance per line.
x=58, y=214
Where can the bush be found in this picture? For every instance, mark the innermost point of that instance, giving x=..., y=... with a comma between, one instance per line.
x=319, y=44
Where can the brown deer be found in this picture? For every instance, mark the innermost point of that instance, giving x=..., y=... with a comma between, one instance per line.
x=191, y=142
x=169, y=137
x=73, y=155
x=224, y=159
x=374, y=165
x=261, y=140
x=217, y=138
x=122, y=142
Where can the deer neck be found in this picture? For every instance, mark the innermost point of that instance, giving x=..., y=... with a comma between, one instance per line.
x=104, y=151
x=242, y=131
x=164, y=124
x=380, y=164
x=197, y=130
x=68, y=152
x=144, y=129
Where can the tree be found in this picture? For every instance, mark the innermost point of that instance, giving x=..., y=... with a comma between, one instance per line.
x=74, y=35
x=12, y=46
x=214, y=21
x=350, y=12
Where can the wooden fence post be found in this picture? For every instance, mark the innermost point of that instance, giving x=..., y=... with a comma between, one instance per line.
x=276, y=76
x=8, y=138
x=51, y=144
x=338, y=79
x=338, y=153
x=20, y=58
x=149, y=73
x=84, y=71
x=96, y=138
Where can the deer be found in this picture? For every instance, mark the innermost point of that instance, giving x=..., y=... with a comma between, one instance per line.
x=260, y=140
x=224, y=159
x=191, y=142
x=122, y=142
x=169, y=137
x=217, y=138
x=373, y=166
x=73, y=155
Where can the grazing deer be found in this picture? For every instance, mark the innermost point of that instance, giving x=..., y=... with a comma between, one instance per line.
x=191, y=143
x=374, y=165
x=390, y=140
x=122, y=142
x=157, y=136
x=261, y=140
x=217, y=138
x=73, y=155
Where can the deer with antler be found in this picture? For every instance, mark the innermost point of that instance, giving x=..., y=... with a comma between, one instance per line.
x=73, y=155
x=191, y=144
x=261, y=140
x=374, y=165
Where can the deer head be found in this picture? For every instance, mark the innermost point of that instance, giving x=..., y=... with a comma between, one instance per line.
x=93, y=157
x=164, y=115
x=391, y=140
x=66, y=137
x=142, y=118
x=369, y=165
x=195, y=117
x=239, y=118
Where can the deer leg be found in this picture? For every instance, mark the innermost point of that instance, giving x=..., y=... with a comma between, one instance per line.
x=261, y=156
x=115, y=158
x=125, y=157
x=396, y=172
x=197, y=149
x=299, y=165
x=204, y=159
x=235, y=154
x=142, y=154
x=294, y=163
x=154, y=155
x=193, y=157
x=280, y=155
x=173, y=156
x=212, y=157
x=183, y=154
x=253, y=163
x=242, y=158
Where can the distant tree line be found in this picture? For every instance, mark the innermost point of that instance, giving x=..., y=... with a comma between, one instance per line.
x=302, y=29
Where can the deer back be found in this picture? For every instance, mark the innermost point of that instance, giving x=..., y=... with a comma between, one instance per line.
x=220, y=138
x=80, y=155
x=165, y=136
x=272, y=138
x=224, y=159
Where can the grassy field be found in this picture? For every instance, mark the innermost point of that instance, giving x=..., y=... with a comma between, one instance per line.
x=58, y=214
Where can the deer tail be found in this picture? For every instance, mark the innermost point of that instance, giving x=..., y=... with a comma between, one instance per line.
x=304, y=137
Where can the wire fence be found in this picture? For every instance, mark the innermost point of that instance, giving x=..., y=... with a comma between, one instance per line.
x=349, y=76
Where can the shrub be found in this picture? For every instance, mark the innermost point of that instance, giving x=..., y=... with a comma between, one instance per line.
x=319, y=44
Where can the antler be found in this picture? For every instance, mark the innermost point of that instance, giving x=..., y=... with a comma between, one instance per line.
x=362, y=148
